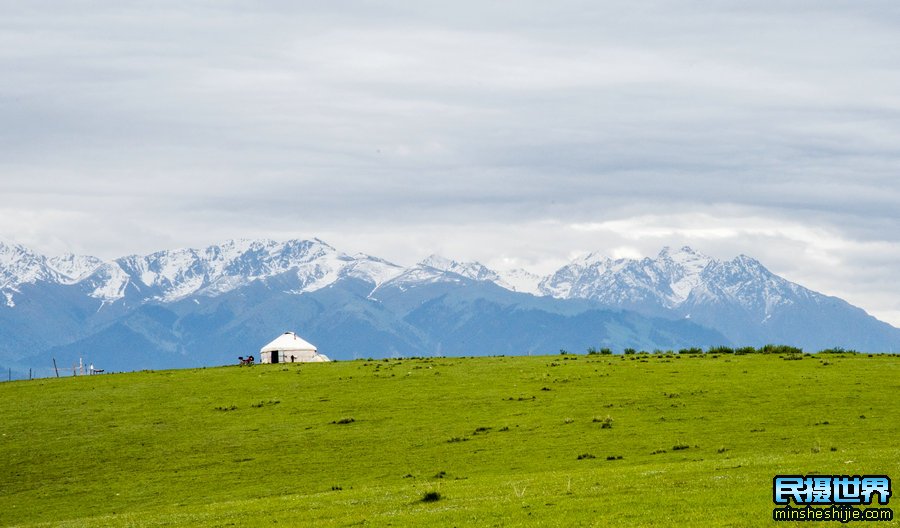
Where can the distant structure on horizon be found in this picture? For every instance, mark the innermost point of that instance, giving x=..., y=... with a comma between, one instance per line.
x=290, y=348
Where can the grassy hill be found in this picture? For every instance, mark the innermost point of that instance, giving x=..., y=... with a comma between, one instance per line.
x=501, y=441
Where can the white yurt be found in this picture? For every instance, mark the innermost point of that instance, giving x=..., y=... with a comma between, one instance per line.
x=290, y=348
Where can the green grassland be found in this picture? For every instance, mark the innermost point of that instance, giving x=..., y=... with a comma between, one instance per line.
x=505, y=441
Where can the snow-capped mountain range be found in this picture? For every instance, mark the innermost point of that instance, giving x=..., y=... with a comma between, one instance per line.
x=675, y=279
x=739, y=298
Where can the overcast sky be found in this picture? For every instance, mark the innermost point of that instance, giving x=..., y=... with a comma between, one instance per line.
x=518, y=133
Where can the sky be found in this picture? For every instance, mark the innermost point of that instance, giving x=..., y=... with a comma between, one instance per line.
x=516, y=133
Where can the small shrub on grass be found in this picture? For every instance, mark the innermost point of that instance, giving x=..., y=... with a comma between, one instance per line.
x=614, y=457
x=346, y=420
x=838, y=350
x=680, y=447
x=585, y=456
x=605, y=423
x=658, y=452
x=440, y=474
x=780, y=349
x=456, y=439
x=431, y=496
x=231, y=408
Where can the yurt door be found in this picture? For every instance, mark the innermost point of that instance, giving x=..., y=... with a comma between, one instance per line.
x=274, y=356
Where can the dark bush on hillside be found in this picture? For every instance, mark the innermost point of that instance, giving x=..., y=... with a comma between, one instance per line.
x=780, y=349
x=431, y=496
x=585, y=456
x=838, y=350
x=720, y=350
x=343, y=421
x=743, y=351
x=692, y=350
x=630, y=351
x=605, y=423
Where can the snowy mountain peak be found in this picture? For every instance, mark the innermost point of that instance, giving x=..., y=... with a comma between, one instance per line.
x=171, y=275
x=72, y=268
x=521, y=280
x=470, y=270
x=438, y=262
x=591, y=259
x=677, y=281
x=19, y=265
x=682, y=254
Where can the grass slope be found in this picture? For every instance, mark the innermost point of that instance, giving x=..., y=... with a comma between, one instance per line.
x=504, y=441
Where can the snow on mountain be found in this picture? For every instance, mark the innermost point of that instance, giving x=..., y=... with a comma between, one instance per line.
x=72, y=268
x=19, y=265
x=371, y=269
x=108, y=282
x=175, y=274
x=683, y=269
x=677, y=281
x=470, y=270
x=739, y=299
x=520, y=280
x=665, y=281
x=171, y=275
x=435, y=269
x=745, y=282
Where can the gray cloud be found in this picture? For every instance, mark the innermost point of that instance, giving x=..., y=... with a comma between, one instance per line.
x=517, y=133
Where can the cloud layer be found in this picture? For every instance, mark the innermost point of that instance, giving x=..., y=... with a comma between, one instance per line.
x=517, y=133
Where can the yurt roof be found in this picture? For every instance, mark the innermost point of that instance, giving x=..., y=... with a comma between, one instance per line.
x=288, y=341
